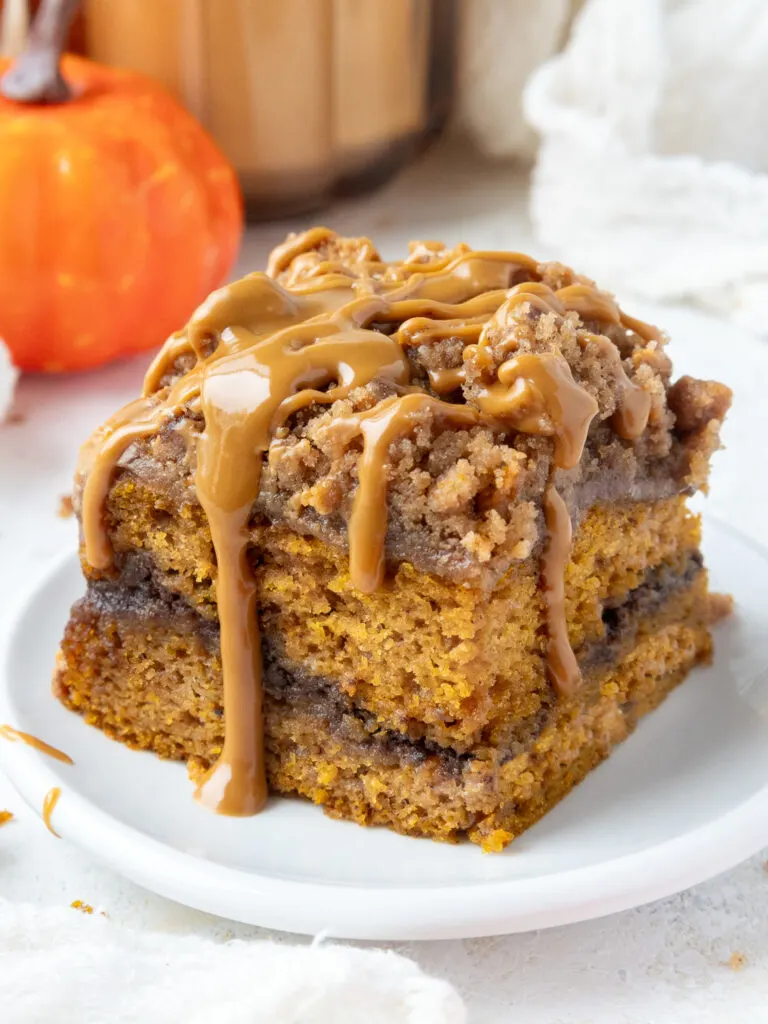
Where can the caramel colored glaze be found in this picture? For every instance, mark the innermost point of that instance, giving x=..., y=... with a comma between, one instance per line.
x=631, y=416
x=264, y=348
x=537, y=394
x=98, y=458
x=421, y=330
x=593, y=305
x=561, y=661
x=282, y=256
x=245, y=397
x=443, y=382
x=470, y=273
x=49, y=805
x=380, y=426
x=7, y=732
x=237, y=783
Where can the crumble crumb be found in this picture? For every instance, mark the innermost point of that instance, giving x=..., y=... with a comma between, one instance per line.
x=736, y=961
x=696, y=403
x=719, y=606
x=5, y=817
x=84, y=908
x=65, y=509
x=496, y=840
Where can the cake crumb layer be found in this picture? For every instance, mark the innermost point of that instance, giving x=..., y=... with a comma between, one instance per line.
x=343, y=761
x=433, y=660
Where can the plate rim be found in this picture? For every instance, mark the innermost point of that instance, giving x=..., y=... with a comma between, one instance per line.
x=308, y=907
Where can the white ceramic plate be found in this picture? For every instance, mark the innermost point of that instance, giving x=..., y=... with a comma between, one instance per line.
x=683, y=799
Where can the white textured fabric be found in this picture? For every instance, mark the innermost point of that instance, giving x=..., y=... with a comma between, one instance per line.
x=8, y=377
x=499, y=45
x=72, y=968
x=697, y=958
x=653, y=167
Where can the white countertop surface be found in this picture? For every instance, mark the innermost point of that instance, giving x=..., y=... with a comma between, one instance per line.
x=663, y=963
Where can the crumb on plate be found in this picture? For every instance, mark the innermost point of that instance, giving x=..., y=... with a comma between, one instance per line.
x=736, y=961
x=65, y=509
x=720, y=606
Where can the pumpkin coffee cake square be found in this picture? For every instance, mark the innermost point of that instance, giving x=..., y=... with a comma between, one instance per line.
x=407, y=538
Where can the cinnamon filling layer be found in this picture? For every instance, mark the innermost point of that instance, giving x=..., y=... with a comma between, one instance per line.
x=136, y=602
x=265, y=350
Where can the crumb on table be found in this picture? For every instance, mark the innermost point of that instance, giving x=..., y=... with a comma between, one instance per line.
x=84, y=908
x=5, y=817
x=736, y=961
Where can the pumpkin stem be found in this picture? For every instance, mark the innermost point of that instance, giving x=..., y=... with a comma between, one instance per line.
x=36, y=76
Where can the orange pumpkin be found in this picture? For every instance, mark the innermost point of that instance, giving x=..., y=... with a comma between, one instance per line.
x=118, y=215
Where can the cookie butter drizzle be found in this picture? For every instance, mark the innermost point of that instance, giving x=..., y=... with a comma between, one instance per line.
x=7, y=732
x=264, y=350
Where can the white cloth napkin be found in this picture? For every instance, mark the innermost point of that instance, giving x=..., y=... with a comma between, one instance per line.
x=500, y=43
x=59, y=965
x=653, y=169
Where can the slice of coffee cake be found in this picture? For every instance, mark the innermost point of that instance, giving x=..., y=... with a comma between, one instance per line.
x=409, y=539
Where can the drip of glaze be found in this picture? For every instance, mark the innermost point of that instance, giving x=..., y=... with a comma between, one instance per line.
x=261, y=349
x=49, y=805
x=537, y=394
x=592, y=304
x=380, y=426
x=634, y=404
x=245, y=397
x=7, y=732
x=562, y=666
